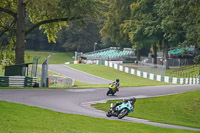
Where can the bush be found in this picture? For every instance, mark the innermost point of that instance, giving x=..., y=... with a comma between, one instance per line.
x=197, y=59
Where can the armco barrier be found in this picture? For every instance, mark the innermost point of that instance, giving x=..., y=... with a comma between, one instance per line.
x=30, y=81
x=4, y=81
x=17, y=81
x=152, y=76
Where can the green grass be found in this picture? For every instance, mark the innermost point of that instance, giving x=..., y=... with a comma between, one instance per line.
x=17, y=118
x=111, y=74
x=179, y=109
x=80, y=85
x=184, y=72
x=56, y=57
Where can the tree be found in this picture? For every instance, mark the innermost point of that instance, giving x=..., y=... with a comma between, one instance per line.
x=80, y=39
x=180, y=21
x=37, y=40
x=50, y=15
x=118, y=11
x=142, y=26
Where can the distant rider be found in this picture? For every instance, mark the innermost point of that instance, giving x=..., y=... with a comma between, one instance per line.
x=117, y=84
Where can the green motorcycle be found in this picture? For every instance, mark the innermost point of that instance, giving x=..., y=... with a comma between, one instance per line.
x=112, y=89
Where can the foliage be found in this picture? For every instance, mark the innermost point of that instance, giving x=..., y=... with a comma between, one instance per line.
x=157, y=23
x=7, y=54
x=80, y=39
x=142, y=25
x=180, y=20
x=197, y=59
x=118, y=12
x=107, y=42
x=72, y=9
x=37, y=41
x=49, y=15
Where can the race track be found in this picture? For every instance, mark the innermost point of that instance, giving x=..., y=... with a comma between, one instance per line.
x=78, y=101
x=77, y=75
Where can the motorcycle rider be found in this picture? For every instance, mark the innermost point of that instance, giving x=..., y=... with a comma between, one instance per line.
x=132, y=100
x=117, y=82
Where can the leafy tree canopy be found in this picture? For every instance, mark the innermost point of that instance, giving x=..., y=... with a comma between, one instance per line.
x=119, y=10
x=50, y=15
x=180, y=20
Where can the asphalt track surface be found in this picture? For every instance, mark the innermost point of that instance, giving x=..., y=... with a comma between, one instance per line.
x=77, y=75
x=78, y=101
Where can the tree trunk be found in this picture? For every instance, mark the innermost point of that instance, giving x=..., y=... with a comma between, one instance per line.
x=154, y=54
x=165, y=54
x=20, y=33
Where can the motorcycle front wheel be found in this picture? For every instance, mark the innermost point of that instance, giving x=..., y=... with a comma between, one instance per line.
x=109, y=114
x=123, y=113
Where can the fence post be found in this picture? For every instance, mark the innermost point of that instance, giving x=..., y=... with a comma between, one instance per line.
x=34, y=66
x=199, y=78
x=44, y=75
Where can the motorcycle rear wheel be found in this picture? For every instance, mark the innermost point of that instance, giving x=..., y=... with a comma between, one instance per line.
x=123, y=113
x=109, y=92
x=113, y=93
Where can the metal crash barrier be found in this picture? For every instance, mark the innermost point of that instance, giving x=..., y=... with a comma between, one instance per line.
x=17, y=81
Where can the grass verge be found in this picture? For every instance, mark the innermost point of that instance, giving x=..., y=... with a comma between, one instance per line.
x=17, y=118
x=187, y=72
x=179, y=109
x=126, y=79
x=56, y=57
x=80, y=85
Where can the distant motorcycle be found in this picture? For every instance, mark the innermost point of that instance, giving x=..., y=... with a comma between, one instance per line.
x=112, y=89
x=121, y=110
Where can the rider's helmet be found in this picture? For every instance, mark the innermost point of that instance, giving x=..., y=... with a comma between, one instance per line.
x=133, y=100
x=117, y=80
